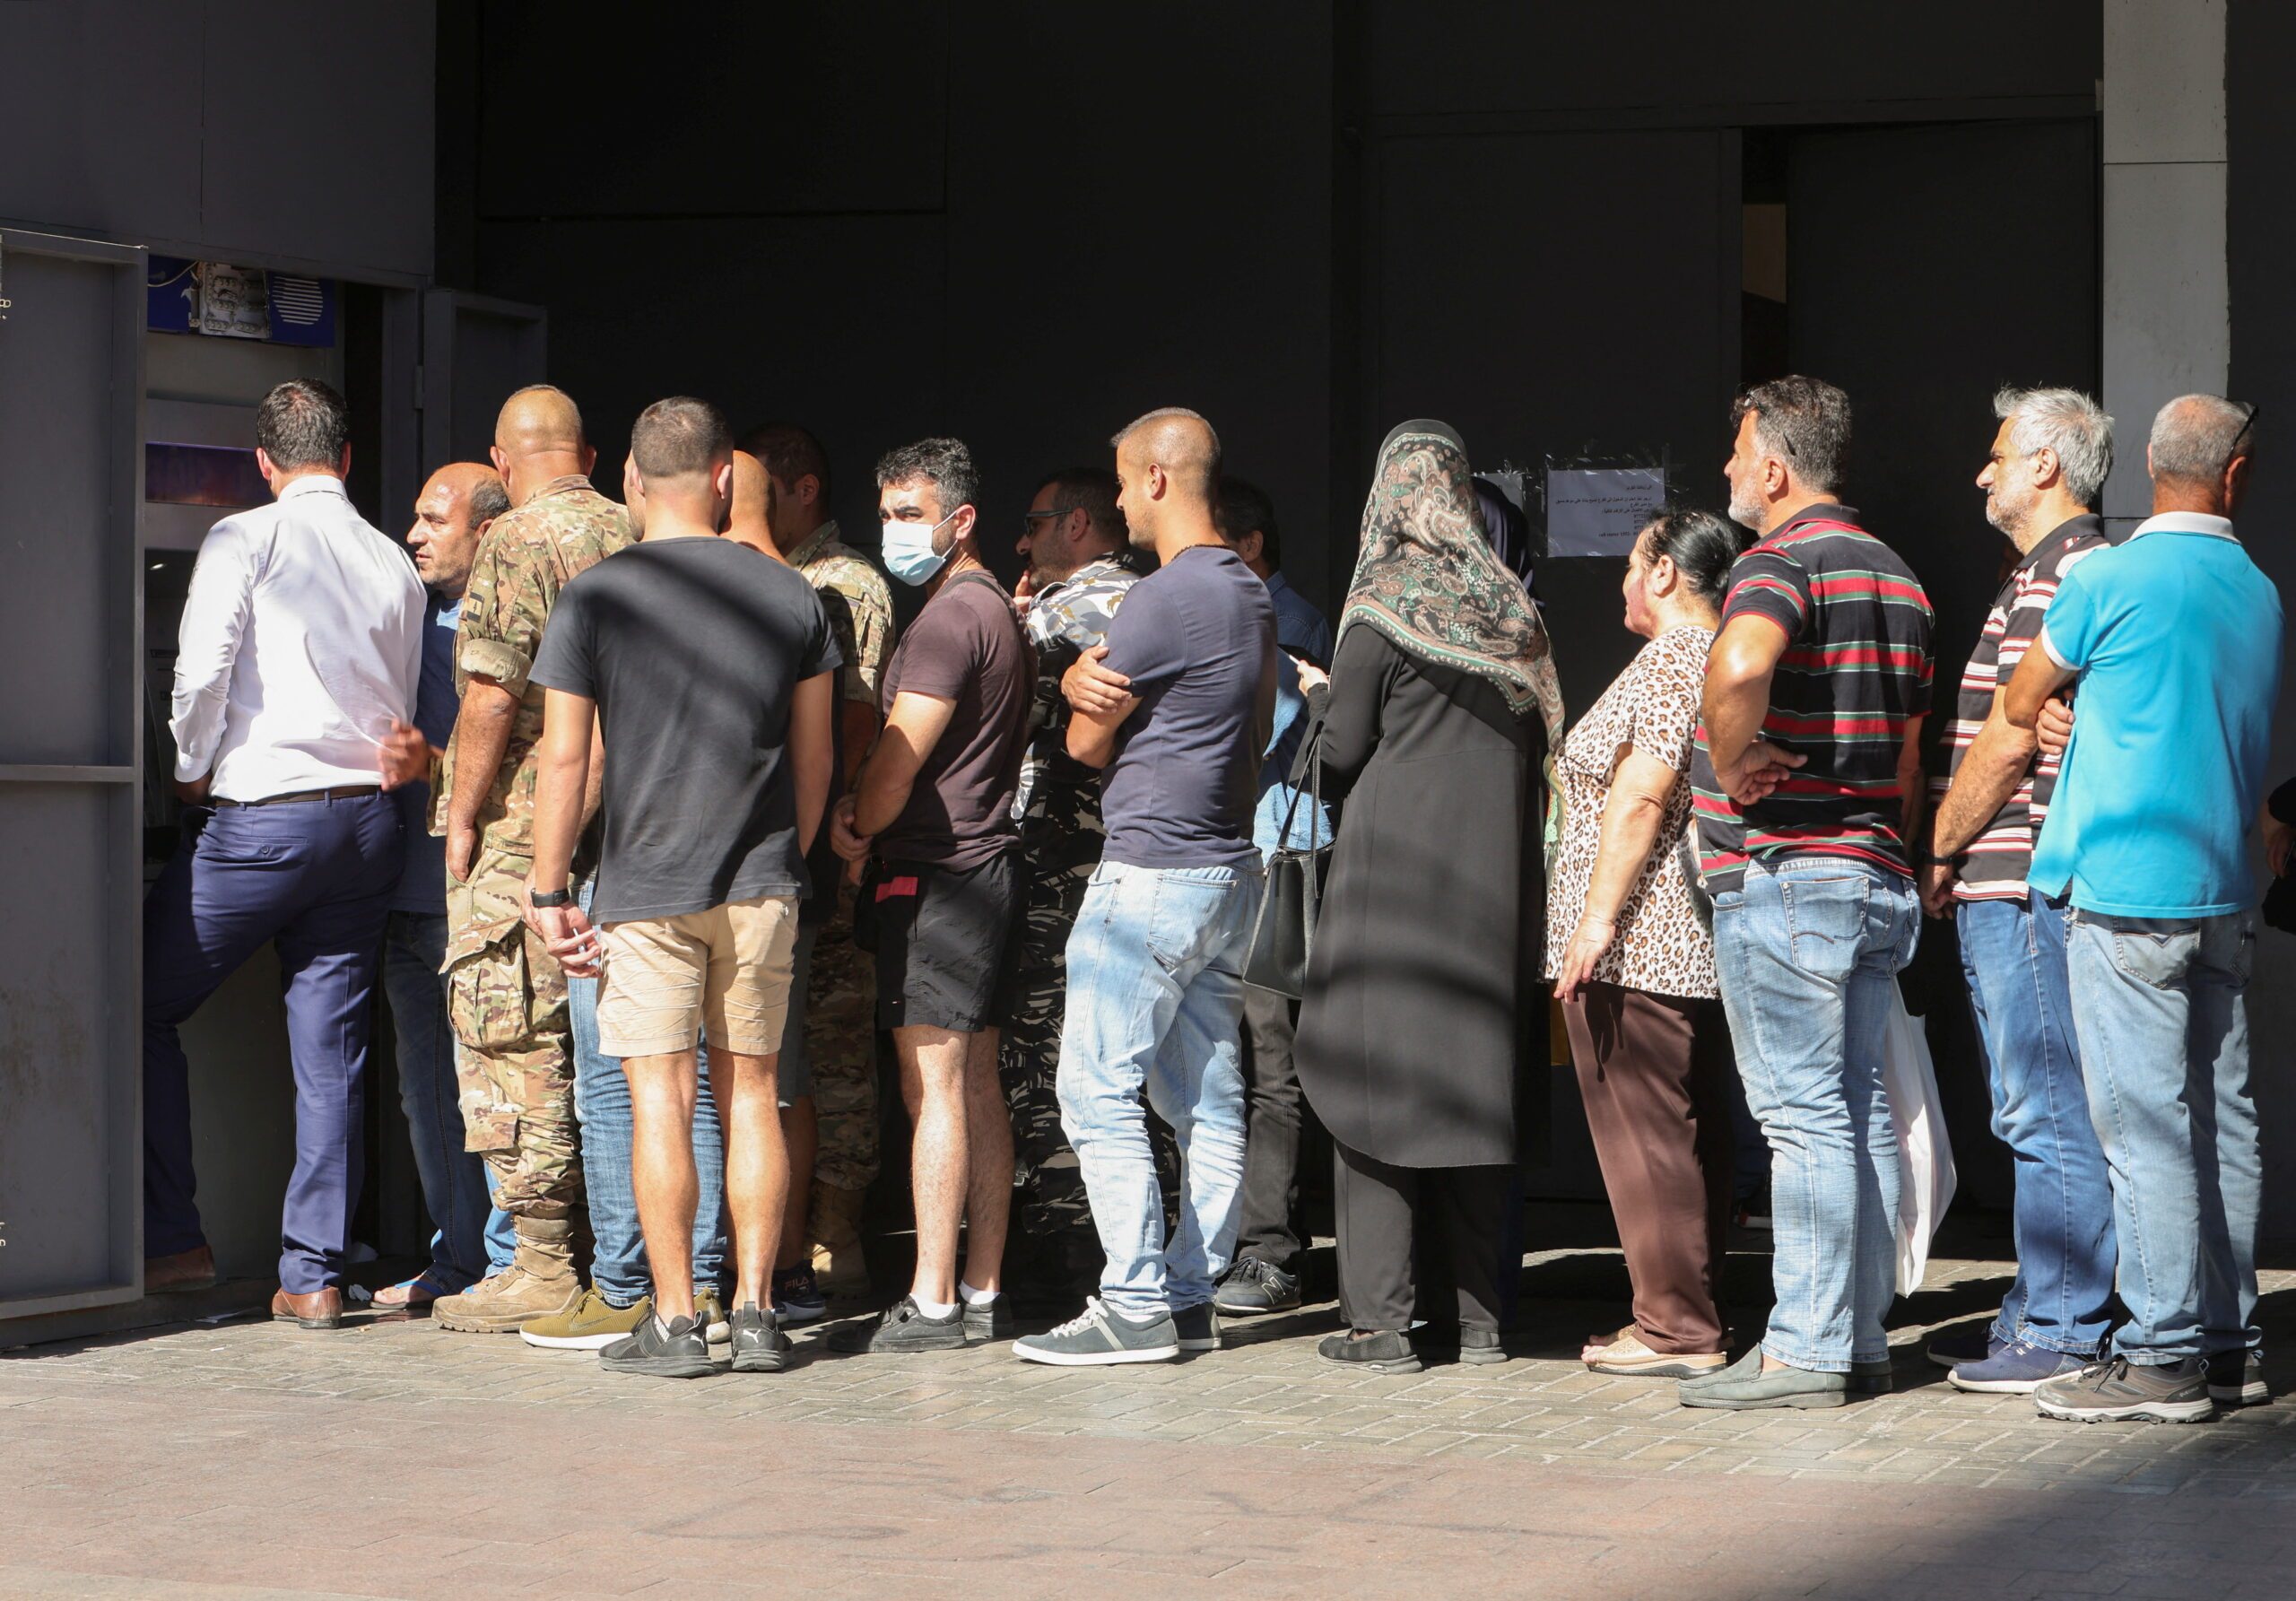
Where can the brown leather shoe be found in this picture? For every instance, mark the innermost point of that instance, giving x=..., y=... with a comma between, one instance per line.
x=194, y=1269
x=321, y=1308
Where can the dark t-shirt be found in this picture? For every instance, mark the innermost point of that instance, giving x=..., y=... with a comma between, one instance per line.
x=1197, y=640
x=1857, y=669
x=966, y=647
x=692, y=650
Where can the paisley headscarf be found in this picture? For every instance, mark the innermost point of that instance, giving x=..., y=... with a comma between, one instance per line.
x=1428, y=579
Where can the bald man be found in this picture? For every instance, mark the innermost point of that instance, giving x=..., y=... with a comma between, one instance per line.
x=452, y=515
x=1177, y=707
x=508, y=997
x=750, y=521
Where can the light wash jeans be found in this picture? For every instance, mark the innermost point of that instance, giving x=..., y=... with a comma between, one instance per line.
x=2013, y=954
x=1155, y=1005
x=2161, y=1008
x=602, y=1108
x=1809, y=948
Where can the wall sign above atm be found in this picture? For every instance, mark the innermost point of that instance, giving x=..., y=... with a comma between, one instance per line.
x=238, y=303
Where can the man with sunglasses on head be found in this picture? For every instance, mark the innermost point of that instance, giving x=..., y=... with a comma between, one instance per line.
x=1079, y=567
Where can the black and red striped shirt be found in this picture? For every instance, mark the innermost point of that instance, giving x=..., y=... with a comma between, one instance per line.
x=1856, y=671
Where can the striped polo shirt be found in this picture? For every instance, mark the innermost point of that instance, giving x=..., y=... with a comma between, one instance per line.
x=1994, y=866
x=1856, y=670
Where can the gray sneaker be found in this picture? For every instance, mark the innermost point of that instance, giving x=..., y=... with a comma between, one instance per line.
x=2236, y=1378
x=679, y=1350
x=1252, y=1287
x=1101, y=1338
x=903, y=1328
x=2121, y=1391
x=1744, y=1387
x=1198, y=1327
x=758, y=1345
x=989, y=1319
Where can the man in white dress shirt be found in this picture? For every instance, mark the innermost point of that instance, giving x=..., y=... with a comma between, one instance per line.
x=301, y=647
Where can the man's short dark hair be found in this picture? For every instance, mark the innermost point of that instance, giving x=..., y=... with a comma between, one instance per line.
x=1244, y=506
x=679, y=437
x=303, y=423
x=1805, y=420
x=488, y=501
x=1093, y=490
x=788, y=452
x=943, y=463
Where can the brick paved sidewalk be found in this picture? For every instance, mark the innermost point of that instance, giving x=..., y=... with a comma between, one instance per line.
x=253, y=1459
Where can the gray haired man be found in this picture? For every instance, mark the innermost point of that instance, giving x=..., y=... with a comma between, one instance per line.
x=2048, y=460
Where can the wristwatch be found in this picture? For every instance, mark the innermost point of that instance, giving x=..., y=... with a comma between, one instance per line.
x=551, y=898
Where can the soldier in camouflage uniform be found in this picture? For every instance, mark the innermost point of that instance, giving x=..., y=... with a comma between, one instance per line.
x=506, y=994
x=834, y=1024
x=1079, y=569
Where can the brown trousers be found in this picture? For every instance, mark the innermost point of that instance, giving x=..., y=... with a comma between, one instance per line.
x=1652, y=1074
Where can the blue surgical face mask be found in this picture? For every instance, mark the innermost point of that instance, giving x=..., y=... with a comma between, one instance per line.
x=908, y=553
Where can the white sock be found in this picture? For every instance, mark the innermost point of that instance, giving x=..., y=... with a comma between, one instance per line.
x=977, y=1298
x=934, y=1309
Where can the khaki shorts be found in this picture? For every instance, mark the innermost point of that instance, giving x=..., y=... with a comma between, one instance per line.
x=724, y=972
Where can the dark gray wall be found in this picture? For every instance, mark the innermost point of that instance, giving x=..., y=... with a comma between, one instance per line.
x=255, y=130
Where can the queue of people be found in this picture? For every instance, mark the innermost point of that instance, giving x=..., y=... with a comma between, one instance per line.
x=669, y=823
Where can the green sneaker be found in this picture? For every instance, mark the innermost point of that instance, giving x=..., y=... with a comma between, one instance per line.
x=594, y=1324
x=711, y=1311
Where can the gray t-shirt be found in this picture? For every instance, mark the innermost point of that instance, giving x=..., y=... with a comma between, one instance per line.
x=1197, y=640
x=692, y=650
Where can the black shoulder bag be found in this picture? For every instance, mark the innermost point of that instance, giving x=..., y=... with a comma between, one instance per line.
x=1284, y=934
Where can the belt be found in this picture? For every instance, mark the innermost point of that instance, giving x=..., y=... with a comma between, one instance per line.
x=341, y=792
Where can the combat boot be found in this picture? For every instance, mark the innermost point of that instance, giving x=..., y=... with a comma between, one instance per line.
x=836, y=1218
x=539, y=1283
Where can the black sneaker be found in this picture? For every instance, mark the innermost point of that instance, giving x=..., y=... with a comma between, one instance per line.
x=1381, y=1350
x=681, y=1351
x=1198, y=1327
x=2120, y=1391
x=989, y=1319
x=1101, y=1337
x=758, y=1345
x=2236, y=1378
x=1252, y=1287
x=903, y=1328
x=797, y=1296
x=1970, y=1346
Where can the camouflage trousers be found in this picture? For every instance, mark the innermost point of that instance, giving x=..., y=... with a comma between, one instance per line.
x=513, y=1067
x=1057, y=868
x=841, y=1023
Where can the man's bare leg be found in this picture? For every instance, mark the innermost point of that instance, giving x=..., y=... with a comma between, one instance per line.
x=757, y=1166
x=932, y=1080
x=988, y=1158
x=801, y=1138
x=662, y=1093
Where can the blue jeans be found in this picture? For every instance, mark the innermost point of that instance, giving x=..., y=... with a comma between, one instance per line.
x=453, y=1179
x=2161, y=1006
x=315, y=879
x=502, y=1233
x=1155, y=1006
x=602, y=1107
x=2013, y=953
x=1809, y=948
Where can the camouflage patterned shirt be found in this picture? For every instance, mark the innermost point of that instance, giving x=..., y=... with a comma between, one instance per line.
x=860, y=606
x=1065, y=621
x=528, y=555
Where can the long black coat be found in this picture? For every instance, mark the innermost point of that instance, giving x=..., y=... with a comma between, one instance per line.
x=1417, y=989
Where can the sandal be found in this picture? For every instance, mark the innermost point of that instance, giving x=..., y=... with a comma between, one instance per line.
x=413, y=1296
x=1627, y=1357
x=1598, y=1342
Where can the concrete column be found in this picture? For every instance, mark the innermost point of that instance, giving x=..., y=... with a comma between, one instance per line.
x=2167, y=302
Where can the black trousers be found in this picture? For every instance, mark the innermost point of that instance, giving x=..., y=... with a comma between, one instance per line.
x=1273, y=1116
x=1378, y=1206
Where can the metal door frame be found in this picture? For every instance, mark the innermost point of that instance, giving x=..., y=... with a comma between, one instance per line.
x=122, y=1277
x=435, y=391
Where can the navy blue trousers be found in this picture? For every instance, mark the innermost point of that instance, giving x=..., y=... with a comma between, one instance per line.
x=316, y=877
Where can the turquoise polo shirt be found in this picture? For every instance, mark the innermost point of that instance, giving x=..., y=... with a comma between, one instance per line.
x=2176, y=636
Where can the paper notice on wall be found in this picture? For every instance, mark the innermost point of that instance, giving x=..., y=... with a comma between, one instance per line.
x=234, y=301
x=1598, y=511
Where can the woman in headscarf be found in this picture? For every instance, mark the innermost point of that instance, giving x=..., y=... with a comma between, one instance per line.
x=1441, y=704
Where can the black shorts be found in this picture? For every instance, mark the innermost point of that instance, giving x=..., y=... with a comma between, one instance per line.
x=942, y=934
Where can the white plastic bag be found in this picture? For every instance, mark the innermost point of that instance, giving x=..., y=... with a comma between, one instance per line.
x=1924, y=1158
